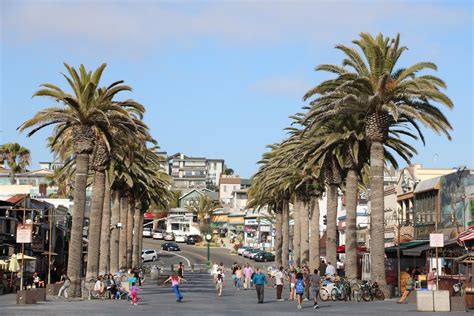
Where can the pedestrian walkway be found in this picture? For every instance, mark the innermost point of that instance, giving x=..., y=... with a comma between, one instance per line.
x=200, y=299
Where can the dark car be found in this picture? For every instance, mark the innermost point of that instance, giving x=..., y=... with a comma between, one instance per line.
x=192, y=239
x=264, y=257
x=170, y=246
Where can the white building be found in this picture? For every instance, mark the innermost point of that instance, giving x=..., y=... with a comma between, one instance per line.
x=227, y=185
x=182, y=221
x=194, y=172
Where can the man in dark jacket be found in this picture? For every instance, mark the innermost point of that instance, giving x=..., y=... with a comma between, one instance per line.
x=259, y=280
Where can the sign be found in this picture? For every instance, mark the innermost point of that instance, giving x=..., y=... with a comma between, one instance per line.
x=436, y=240
x=23, y=233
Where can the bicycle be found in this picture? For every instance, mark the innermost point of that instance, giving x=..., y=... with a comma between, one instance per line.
x=325, y=290
x=340, y=290
x=371, y=291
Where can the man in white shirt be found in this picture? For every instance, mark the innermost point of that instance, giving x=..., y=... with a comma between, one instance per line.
x=330, y=270
x=279, y=283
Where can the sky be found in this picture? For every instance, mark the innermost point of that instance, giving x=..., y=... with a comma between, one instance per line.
x=220, y=78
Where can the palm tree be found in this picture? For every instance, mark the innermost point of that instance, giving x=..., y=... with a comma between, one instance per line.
x=382, y=94
x=203, y=207
x=81, y=113
x=18, y=158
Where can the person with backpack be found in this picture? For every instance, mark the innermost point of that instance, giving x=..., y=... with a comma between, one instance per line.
x=219, y=280
x=299, y=288
x=259, y=280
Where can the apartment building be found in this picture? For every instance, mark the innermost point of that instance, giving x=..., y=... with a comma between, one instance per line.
x=194, y=172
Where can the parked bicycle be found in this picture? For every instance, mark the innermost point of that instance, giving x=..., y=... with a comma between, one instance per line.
x=340, y=290
x=371, y=291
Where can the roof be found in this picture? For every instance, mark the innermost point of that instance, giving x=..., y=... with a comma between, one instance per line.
x=407, y=245
x=416, y=251
x=229, y=180
x=428, y=185
x=17, y=198
x=240, y=191
x=245, y=181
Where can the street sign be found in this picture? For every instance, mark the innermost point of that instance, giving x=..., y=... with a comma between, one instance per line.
x=436, y=240
x=23, y=233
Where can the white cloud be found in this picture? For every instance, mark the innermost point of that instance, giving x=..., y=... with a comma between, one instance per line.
x=143, y=24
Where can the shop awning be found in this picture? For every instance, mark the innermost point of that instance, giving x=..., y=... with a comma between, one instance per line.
x=407, y=245
x=417, y=251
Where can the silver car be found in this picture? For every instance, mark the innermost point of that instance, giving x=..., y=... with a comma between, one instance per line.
x=149, y=255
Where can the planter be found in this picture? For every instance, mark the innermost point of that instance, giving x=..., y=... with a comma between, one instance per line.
x=458, y=304
x=40, y=294
x=424, y=301
x=25, y=297
x=441, y=301
x=53, y=289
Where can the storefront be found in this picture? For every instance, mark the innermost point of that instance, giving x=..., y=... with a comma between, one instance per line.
x=257, y=232
x=236, y=225
x=219, y=223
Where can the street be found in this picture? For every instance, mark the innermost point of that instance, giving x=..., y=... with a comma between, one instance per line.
x=196, y=255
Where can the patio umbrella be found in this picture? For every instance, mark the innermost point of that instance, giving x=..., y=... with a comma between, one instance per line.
x=3, y=264
x=25, y=257
x=13, y=265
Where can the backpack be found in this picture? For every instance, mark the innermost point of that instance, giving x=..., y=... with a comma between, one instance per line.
x=299, y=286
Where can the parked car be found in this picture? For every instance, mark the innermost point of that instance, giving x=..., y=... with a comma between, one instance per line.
x=149, y=255
x=251, y=252
x=180, y=238
x=170, y=246
x=264, y=257
x=241, y=250
x=169, y=237
x=158, y=235
x=147, y=232
x=197, y=238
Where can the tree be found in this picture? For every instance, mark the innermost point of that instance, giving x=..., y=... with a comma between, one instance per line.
x=81, y=113
x=373, y=87
x=18, y=158
x=228, y=171
x=203, y=207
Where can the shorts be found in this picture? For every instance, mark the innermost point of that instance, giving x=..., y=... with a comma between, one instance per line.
x=292, y=285
x=315, y=291
x=219, y=286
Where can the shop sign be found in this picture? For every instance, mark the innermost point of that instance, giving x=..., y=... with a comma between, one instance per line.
x=436, y=240
x=24, y=233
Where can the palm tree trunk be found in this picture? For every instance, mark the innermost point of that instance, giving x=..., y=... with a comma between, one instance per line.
x=285, y=232
x=140, y=237
x=130, y=212
x=304, y=224
x=95, y=223
x=74, y=264
x=278, y=237
x=314, y=255
x=331, y=230
x=115, y=233
x=123, y=233
x=377, y=243
x=104, y=259
x=296, y=249
x=136, y=237
x=351, y=224
x=12, y=178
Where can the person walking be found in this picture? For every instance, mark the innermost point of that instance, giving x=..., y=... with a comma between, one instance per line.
x=409, y=287
x=248, y=271
x=234, y=268
x=134, y=291
x=181, y=269
x=322, y=268
x=279, y=283
x=238, y=277
x=299, y=288
x=315, y=281
x=175, y=282
x=259, y=280
x=431, y=278
x=292, y=281
x=65, y=287
x=307, y=283
x=219, y=281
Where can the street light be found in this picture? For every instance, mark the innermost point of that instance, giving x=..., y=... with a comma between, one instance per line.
x=208, y=239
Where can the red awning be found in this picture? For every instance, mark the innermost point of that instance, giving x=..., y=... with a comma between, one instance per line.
x=466, y=235
x=342, y=249
x=148, y=216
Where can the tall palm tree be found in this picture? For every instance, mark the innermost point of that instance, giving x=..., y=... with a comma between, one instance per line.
x=81, y=114
x=371, y=85
x=296, y=249
x=18, y=158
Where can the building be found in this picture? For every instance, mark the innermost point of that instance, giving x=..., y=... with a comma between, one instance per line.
x=194, y=172
x=227, y=185
x=182, y=221
x=191, y=197
x=239, y=199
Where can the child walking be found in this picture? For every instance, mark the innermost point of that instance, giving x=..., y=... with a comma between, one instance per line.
x=134, y=290
x=175, y=282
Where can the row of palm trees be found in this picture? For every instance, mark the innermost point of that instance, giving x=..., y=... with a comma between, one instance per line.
x=354, y=125
x=105, y=144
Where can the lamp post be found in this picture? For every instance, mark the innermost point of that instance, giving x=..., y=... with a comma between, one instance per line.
x=208, y=239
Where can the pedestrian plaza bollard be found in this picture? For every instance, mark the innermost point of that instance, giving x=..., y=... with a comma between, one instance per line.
x=154, y=273
x=208, y=239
